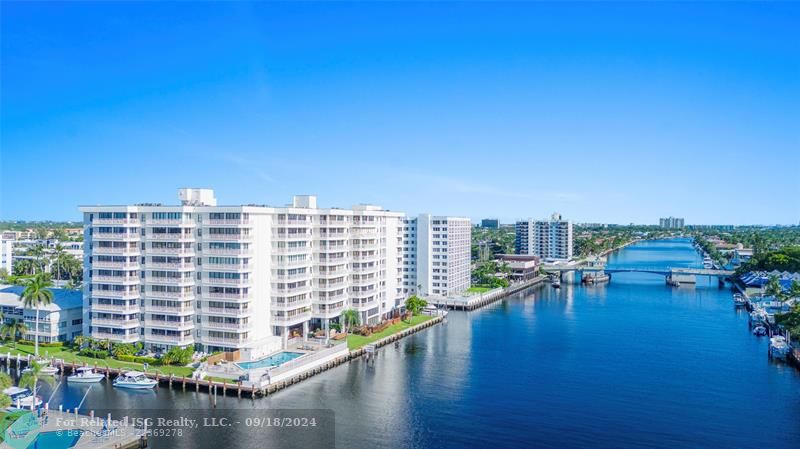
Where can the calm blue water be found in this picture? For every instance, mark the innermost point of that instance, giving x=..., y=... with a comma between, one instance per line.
x=634, y=363
x=273, y=360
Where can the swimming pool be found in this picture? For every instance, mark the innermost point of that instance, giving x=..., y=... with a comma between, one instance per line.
x=273, y=360
x=55, y=440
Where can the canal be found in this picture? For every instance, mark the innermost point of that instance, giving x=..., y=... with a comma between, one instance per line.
x=633, y=363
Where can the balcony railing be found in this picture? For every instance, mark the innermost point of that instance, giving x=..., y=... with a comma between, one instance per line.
x=115, y=308
x=169, y=280
x=291, y=320
x=226, y=281
x=229, y=326
x=292, y=277
x=177, y=310
x=115, y=236
x=170, y=265
x=289, y=251
x=171, y=251
x=115, y=250
x=225, y=221
x=332, y=298
x=228, y=237
x=171, y=339
x=224, y=340
x=116, y=279
x=129, y=338
x=228, y=251
x=230, y=296
x=114, y=221
x=290, y=305
x=226, y=267
x=158, y=294
x=115, y=323
x=118, y=265
x=327, y=312
x=172, y=237
x=227, y=311
x=169, y=222
x=176, y=325
x=114, y=293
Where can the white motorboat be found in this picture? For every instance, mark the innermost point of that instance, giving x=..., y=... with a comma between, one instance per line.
x=759, y=331
x=739, y=299
x=46, y=370
x=134, y=380
x=85, y=375
x=22, y=397
x=778, y=347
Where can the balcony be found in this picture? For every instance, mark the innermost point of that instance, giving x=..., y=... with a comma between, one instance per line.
x=225, y=281
x=327, y=312
x=364, y=305
x=115, y=236
x=292, y=277
x=292, y=291
x=104, y=250
x=115, y=221
x=236, y=327
x=114, y=322
x=228, y=296
x=364, y=282
x=368, y=269
x=362, y=258
x=239, y=340
x=228, y=237
x=283, y=305
x=226, y=267
x=170, y=339
x=175, y=325
x=171, y=237
x=174, y=310
x=97, y=264
x=172, y=251
x=169, y=222
x=295, y=222
x=227, y=222
x=287, y=237
x=171, y=295
x=228, y=251
x=182, y=281
x=332, y=285
x=289, y=251
x=294, y=263
x=115, y=308
x=226, y=311
x=116, y=279
x=170, y=265
x=332, y=298
x=291, y=320
x=98, y=293
x=119, y=338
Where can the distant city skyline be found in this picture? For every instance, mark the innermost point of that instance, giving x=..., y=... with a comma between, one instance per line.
x=604, y=112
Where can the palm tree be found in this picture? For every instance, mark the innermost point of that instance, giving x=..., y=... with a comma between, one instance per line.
x=13, y=329
x=31, y=377
x=350, y=318
x=774, y=288
x=5, y=382
x=58, y=256
x=794, y=289
x=35, y=295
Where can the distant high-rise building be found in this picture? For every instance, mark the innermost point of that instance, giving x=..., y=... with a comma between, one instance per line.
x=491, y=223
x=671, y=223
x=548, y=239
x=436, y=255
x=7, y=252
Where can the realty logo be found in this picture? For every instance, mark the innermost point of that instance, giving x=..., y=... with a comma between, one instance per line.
x=20, y=428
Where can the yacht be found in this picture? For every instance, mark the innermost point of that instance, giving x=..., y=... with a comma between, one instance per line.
x=778, y=347
x=739, y=299
x=759, y=331
x=85, y=375
x=134, y=380
x=22, y=397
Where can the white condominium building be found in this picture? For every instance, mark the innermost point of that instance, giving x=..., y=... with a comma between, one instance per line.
x=7, y=252
x=224, y=278
x=437, y=255
x=548, y=239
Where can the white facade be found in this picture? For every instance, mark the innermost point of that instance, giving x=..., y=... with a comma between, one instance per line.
x=548, y=239
x=437, y=255
x=236, y=277
x=7, y=254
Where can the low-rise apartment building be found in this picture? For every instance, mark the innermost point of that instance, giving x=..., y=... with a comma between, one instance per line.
x=61, y=320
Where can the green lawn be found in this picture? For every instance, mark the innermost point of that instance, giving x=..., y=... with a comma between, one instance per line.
x=72, y=357
x=476, y=289
x=357, y=341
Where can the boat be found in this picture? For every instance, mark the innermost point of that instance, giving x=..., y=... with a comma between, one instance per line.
x=134, y=380
x=555, y=282
x=22, y=397
x=778, y=347
x=759, y=331
x=85, y=375
x=739, y=299
x=46, y=370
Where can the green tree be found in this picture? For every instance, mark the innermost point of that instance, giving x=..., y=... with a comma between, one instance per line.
x=13, y=330
x=415, y=304
x=35, y=295
x=794, y=289
x=31, y=377
x=774, y=288
x=57, y=257
x=5, y=382
x=350, y=318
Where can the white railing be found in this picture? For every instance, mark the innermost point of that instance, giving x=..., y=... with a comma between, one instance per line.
x=290, y=305
x=112, y=322
x=171, y=251
x=225, y=221
x=177, y=325
x=228, y=326
x=169, y=236
x=115, y=294
x=114, y=236
x=224, y=267
x=171, y=265
x=114, y=250
x=226, y=311
x=224, y=340
x=115, y=308
x=169, y=222
x=114, y=221
x=291, y=320
x=115, y=337
x=234, y=296
x=120, y=265
x=228, y=237
x=226, y=281
x=157, y=294
x=169, y=309
x=169, y=280
x=175, y=339
x=228, y=251
x=116, y=279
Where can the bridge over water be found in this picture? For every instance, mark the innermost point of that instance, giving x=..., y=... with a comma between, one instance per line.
x=673, y=275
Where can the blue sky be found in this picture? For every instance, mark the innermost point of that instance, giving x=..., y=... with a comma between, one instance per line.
x=606, y=112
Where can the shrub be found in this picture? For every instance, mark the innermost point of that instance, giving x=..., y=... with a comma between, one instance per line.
x=178, y=356
x=137, y=359
x=55, y=344
x=94, y=353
